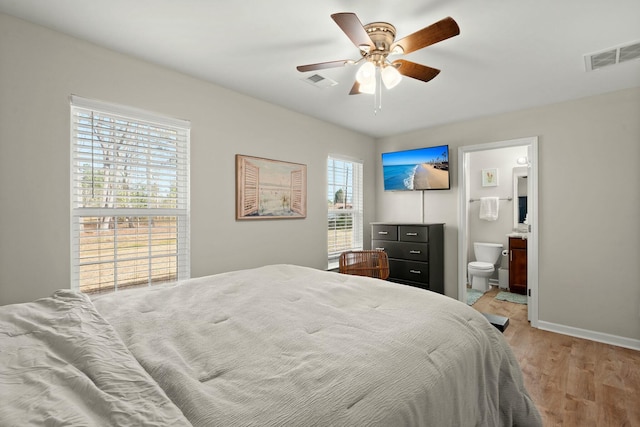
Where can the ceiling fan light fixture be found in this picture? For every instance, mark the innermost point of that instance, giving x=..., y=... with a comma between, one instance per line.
x=376, y=41
x=366, y=74
x=390, y=76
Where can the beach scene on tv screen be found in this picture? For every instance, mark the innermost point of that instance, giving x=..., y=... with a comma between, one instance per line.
x=421, y=169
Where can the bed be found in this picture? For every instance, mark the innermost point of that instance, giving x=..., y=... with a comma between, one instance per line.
x=279, y=345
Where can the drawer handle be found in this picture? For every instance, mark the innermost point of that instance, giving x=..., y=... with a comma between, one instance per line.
x=415, y=252
x=383, y=232
x=412, y=234
x=415, y=271
x=379, y=249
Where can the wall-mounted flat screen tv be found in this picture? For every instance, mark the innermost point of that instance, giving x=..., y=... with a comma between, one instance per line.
x=416, y=170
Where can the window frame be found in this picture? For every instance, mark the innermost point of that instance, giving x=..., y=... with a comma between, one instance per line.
x=176, y=207
x=356, y=184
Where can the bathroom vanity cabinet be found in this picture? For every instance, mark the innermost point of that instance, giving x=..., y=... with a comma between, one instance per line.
x=518, y=265
x=415, y=251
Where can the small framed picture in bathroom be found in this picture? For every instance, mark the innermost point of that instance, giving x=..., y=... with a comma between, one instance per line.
x=489, y=177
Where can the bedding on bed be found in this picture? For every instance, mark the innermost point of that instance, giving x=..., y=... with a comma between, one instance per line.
x=286, y=345
x=61, y=363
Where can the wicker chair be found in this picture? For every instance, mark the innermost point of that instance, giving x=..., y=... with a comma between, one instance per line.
x=365, y=263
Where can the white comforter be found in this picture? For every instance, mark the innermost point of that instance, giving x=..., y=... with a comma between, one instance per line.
x=292, y=346
x=62, y=364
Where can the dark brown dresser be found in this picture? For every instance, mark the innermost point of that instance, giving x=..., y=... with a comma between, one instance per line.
x=415, y=251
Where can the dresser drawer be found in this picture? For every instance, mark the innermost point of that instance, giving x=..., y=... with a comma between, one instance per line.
x=405, y=250
x=409, y=270
x=384, y=232
x=413, y=233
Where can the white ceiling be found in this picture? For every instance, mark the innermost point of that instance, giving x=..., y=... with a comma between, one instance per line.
x=510, y=54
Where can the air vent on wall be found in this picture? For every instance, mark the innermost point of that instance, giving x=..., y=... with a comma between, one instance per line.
x=612, y=56
x=319, y=81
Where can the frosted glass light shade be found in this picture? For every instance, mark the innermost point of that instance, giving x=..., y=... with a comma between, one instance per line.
x=391, y=76
x=366, y=74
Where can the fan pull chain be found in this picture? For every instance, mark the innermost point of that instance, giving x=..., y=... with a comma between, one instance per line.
x=377, y=95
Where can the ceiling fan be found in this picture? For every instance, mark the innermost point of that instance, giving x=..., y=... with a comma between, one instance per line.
x=376, y=41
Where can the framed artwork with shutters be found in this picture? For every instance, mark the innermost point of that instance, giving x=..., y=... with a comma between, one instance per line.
x=270, y=189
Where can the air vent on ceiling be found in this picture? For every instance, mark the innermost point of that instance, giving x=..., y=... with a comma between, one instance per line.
x=319, y=81
x=612, y=56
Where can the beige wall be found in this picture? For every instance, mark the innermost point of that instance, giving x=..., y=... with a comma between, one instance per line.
x=589, y=205
x=39, y=69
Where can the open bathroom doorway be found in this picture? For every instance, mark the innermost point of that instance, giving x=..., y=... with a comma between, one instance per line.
x=464, y=194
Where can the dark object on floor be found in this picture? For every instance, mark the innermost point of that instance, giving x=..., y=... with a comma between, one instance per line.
x=499, y=322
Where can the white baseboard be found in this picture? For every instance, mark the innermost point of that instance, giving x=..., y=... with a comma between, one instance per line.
x=631, y=343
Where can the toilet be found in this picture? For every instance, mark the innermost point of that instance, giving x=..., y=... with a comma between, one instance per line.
x=479, y=271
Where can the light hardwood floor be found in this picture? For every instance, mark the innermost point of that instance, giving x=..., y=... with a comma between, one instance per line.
x=574, y=382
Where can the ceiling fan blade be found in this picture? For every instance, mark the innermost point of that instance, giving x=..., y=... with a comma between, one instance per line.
x=353, y=28
x=427, y=36
x=355, y=89
x=415, y=71
x=322, y=65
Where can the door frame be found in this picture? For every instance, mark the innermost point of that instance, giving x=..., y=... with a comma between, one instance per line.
x=532, y=203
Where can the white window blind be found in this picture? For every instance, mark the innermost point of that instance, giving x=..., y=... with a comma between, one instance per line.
x=344, y=192
x=129, y=197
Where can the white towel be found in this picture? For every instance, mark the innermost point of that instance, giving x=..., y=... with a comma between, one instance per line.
x=489, y=208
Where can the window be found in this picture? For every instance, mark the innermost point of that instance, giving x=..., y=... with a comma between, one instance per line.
x=344, y=192
x=129, y=197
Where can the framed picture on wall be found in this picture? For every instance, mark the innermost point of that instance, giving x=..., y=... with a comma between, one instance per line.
x=270, y=189
x=489, y=177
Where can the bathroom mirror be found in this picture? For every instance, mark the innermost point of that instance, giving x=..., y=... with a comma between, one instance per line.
x=520, y=199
